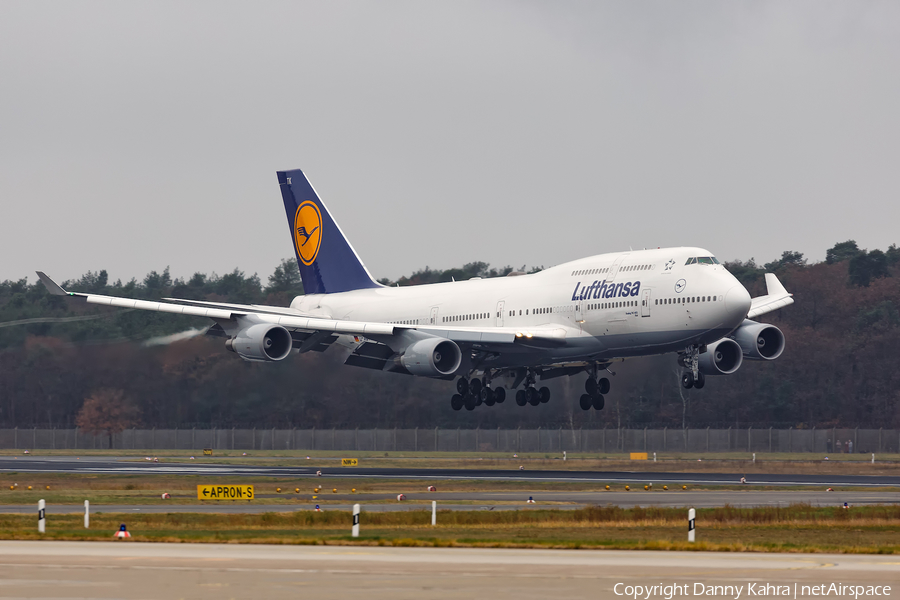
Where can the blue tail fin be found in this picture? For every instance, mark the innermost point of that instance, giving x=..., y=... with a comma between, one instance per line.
x=327, y=261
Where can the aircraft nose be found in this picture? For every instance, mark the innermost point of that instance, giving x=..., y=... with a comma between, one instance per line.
x=737, y=301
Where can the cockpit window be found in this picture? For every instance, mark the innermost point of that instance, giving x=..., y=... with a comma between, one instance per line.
x=703, y=260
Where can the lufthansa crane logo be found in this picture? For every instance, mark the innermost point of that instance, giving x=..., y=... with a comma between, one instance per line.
x=307, y=232
x=680, y=285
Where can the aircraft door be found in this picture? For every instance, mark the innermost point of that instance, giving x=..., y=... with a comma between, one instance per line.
x=645, y=303
x=500, y=306
x=434, y=315
x=579, y=311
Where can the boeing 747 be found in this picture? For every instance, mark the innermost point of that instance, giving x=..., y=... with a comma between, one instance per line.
x=501, y=333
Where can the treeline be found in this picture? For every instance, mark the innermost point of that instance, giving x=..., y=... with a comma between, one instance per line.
x=839, y=368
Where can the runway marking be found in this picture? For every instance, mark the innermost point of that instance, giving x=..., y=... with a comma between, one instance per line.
x=272, y=570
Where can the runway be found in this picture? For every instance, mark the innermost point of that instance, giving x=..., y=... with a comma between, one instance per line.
x=468, y=501
x=137, y=571
x=122, y=467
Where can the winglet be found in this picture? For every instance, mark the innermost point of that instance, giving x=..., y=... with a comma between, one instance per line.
x=51, y=285
x=774, y=287
x=776, y=297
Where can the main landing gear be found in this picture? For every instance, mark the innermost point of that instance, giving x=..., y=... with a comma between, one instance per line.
x=473, y=392
x=530, y=394
x=595, y=389
x=692, y=377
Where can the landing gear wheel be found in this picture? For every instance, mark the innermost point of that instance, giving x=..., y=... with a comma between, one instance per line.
x=599, y=402
x=456, y=402
x=700, y=381
x=687, y=380
x=499, y=395
x=590, y=386
x=586, y=402
x=487, y=396
x=470, y=402
x=544, y=393
x=462, y=386
x=520, y=398
x=533, y=396
x=475, y=387
x=603, y=386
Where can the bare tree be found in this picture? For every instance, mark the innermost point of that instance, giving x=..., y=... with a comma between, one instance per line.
x=107, y=411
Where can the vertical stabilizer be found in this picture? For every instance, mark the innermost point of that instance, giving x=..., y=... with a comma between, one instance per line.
x=327, y=261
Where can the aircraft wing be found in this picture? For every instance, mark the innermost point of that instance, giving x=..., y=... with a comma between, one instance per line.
x=776, y=297
x=537, y=337
x=228, y=312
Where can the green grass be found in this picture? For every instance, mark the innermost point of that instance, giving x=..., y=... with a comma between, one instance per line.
x=798, y=528
x=72, y=488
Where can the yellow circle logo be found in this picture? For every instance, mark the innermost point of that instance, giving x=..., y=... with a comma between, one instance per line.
x=307, y=232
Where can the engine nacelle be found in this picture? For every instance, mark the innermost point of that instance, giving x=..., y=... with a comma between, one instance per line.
x=261, y=342
x=432, y=357
x=721, y=358
x=759, y=341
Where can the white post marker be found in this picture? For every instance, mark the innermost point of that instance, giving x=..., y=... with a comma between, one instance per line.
x=434, y=512
x=754, y=458
x=873, y=458
x=356, y=520
x=564, y=455
x=654, y=457
x=41, y=519
x=692, y=514
x=87, y=514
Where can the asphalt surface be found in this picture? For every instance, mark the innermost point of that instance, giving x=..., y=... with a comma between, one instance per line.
x=38, y=569
x=119, y=467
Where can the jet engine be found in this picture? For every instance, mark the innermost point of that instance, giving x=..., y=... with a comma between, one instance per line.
x=721, y=358
x=261, y=342
x=432, y=357
x=759, y=341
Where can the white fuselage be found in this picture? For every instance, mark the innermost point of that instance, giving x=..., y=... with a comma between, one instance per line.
x=608, y=306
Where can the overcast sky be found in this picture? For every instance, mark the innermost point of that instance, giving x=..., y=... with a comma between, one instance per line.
x=135, y=135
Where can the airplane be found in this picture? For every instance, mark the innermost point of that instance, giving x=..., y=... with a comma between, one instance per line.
x=501, y=333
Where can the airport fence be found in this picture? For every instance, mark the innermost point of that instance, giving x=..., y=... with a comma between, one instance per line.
x=832, y=440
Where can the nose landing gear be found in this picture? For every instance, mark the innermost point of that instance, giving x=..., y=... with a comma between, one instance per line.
x=690, y=360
